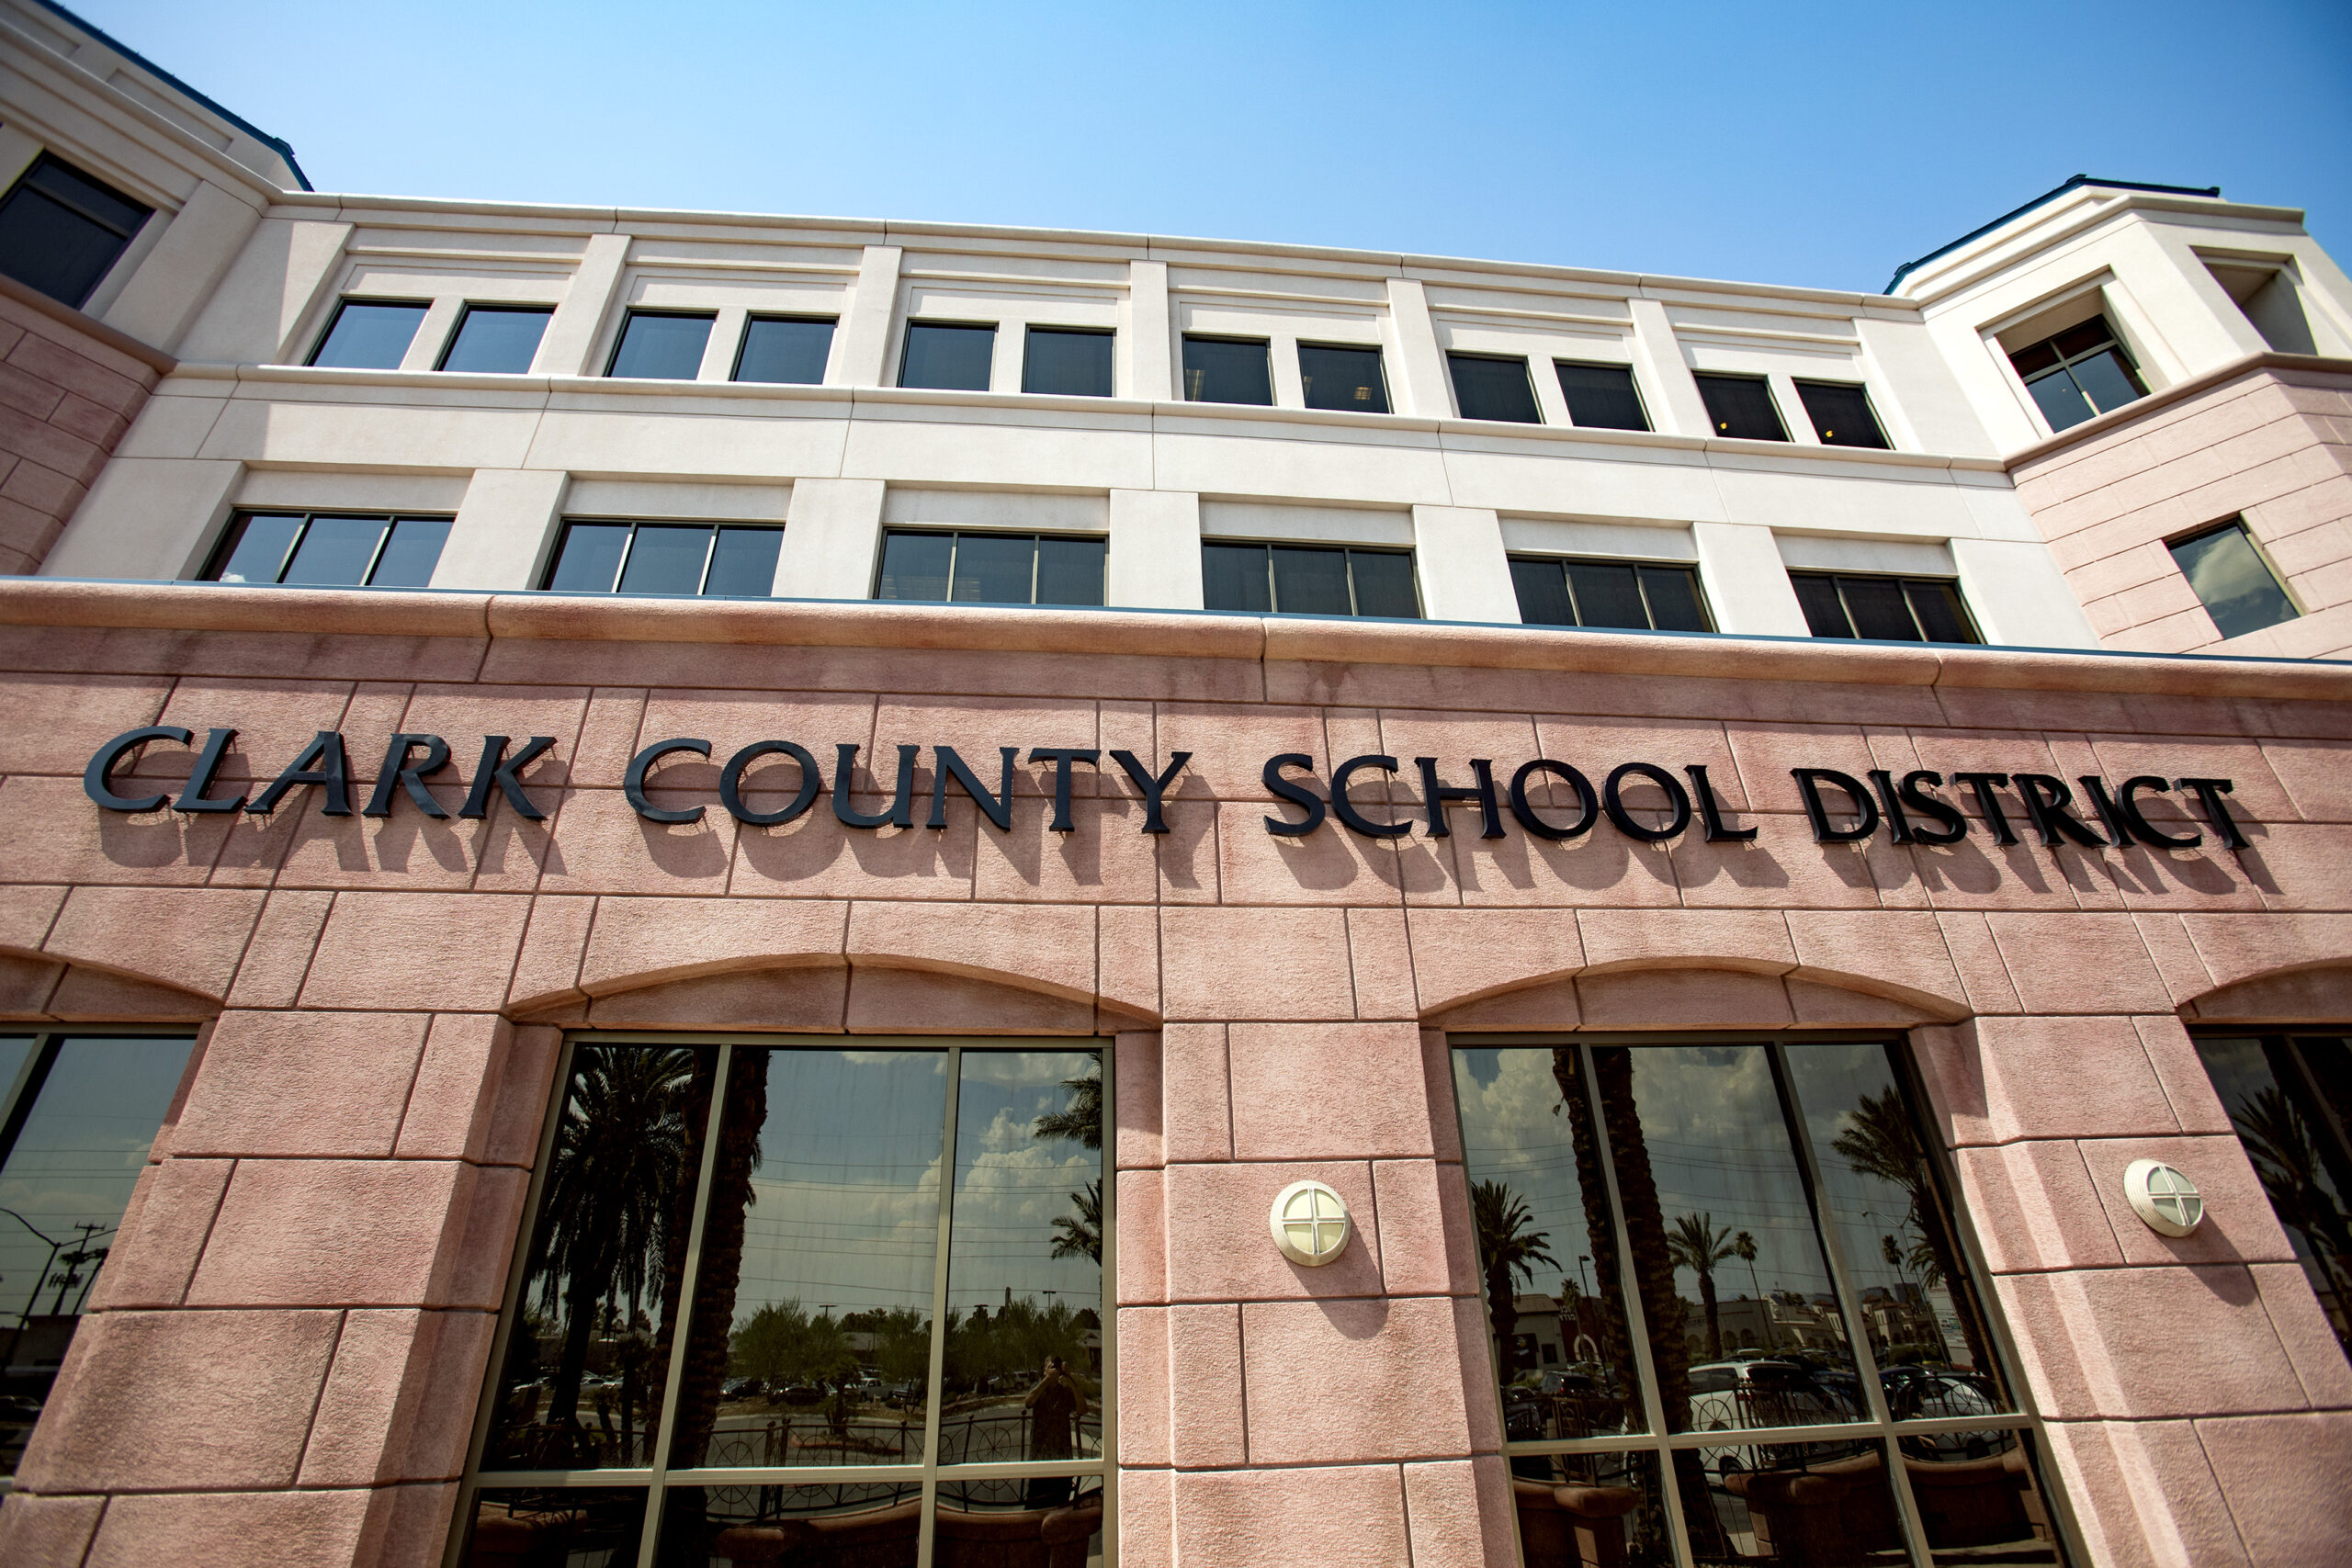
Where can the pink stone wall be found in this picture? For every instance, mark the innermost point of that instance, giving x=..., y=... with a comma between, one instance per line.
x=2271, y=445
x=68, y=388
x=291, y=1337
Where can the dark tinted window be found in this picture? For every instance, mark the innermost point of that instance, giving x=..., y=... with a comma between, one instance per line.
x=78, y=1114
x=1841, y=414
x=2238, y=586
x=496, y=340
x=947, y=358
x=1340, y=378
x=1070, y=361
x=1741, y=406
x=61, y=231
x=1487, y=385
x=1885, y=609
x=1630, y=594
x=1601, y=397
x=784, y=349
x=1309, y=580
x=369, y=334
x=1226, y=371
x=327, y=551
x=2078, y=374
x=990, y=569
x=657, y=346
x=684, y=558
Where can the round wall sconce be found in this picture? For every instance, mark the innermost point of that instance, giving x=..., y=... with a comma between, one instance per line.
x=1310, y=1224
x=2163, y=1197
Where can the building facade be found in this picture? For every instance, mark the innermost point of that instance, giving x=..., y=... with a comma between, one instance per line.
x=719, y=888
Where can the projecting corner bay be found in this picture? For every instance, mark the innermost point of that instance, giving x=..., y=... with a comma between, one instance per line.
x=1642, y=800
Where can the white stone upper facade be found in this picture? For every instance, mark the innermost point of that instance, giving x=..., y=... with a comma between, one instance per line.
x=238, y=277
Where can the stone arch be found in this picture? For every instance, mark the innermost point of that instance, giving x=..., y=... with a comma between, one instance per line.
x=2310, y=993
x=1697, y=991
x=869, y=995
x=36, y=987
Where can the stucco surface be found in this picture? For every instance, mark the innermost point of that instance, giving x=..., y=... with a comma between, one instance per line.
x=292, y=1330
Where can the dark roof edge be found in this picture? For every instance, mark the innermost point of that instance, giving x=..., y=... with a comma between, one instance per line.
x=280, y=144
x=1907, y=268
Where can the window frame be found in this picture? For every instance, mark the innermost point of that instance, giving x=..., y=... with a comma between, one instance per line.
x=955, y=534
x=46, y=158
x=495, y=308
x=1379, y=369
x=1633, y=381
x=344, y=302
x=1837, y=576
x=2295, y=610
x=1861, y=390
x=743, y=342
x=1701, y=378
x=1698, y=590
x=2065, y=365
x=233, y=535
x=1877, y=1425
x=631, y=314
x=1274, y=598
x=1264, y=345
x=1455, y=357
x=907, y=341
x=620, y=567
x=930, y=1474
x=1029, y=331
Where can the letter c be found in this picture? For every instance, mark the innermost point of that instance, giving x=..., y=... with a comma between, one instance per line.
x=633, y=782
x=96, y=782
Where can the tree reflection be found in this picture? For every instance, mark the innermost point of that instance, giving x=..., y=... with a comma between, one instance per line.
x=2287, y=1159
x=1645, y=1230
x=1509, y=1248
x=1880, y=1140
x=1695, y=1244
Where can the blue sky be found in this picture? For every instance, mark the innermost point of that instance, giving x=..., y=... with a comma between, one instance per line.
x=1822, y=144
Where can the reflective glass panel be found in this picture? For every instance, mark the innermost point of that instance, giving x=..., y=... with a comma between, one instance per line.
x=1547, y=1250
x=656, y=346
x=1311, y=581
x=1384, y=583
x=1840, y=413
x=914, y=566
x=1343, y=379
x=1791, y=1503
x=1232, y=577
x=1744, y=1327
x=1046, y=1519
x=1067, y=361
x=412, y=553
x=2061, y=401
x=1488, y=387
x=67, y=1178
x=1542, y=589
x=1824, y=612
x=1741, y=406
x=61, y=231
x=1606, y=595
x=1879, y=609
x=664, y=559
x=1227, y=370
x=1601, y=397
x=14, y=1049
x=1672, y=592
x=1069, y=571
x=742, y=564
x=1937, y=605
x=948, y=358
x=995, y=568
x=1980, y=1498
x=496, y=340
x=2297, y=1154
x=784, y=349
x=590, y=559
x=1024, y=1273
x=258, y=551
x=1581, y=1509
x=1926, y=1328
x=2106, y=381
x=368, y=335
x=820, y=1248
x=581, y=1387
x=335, y=552
x=854, y=1525
x=588, y=1527
x=2235, y=583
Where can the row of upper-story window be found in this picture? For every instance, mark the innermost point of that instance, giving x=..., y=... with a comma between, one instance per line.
x=378, y=335
x=2223, y=563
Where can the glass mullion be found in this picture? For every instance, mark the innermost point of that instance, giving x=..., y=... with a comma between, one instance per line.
x=947, y=596
x=1106, y=1312
x=620, y=569
x=709, y=549
x=1034, y=551
x=650, y=1542
x=1637, y=1322
x=375, y=556
x=1849, y=1301
x=22, y=1093
x=936, y=1376
x=510, y=1310
x=2313, y=1095
x=1575, y=610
